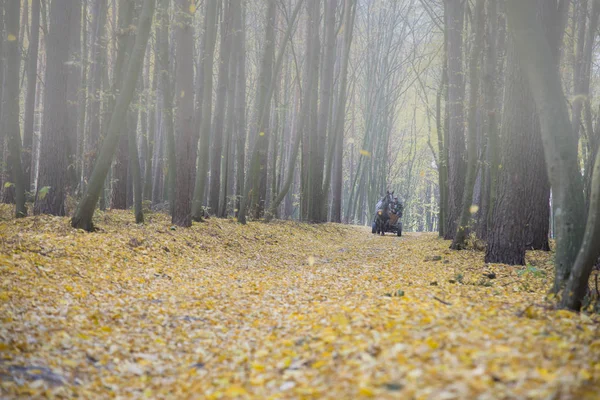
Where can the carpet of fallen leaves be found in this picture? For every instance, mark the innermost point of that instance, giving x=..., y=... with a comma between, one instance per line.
x=279, y=310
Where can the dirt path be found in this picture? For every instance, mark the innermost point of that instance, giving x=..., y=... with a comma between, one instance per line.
x=281, y=310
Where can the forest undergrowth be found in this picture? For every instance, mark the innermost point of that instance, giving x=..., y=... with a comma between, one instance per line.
x=278, y=310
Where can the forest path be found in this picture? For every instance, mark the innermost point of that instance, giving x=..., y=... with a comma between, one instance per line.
x=281, y=310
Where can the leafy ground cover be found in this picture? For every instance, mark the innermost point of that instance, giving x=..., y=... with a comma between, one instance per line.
x=279, y=310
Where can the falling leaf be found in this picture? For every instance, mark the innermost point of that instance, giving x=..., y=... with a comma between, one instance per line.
x=11, y=37
x=473, y=209
x=365, y=153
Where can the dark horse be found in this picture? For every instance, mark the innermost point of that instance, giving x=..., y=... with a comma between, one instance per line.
x=382, y=216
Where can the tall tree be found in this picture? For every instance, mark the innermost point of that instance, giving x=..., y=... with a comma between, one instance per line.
x=254, y=195
x=167, y=99
x=85, y=209
x=460, y=236
x=52, y=179
x=340, y=116
x=325, y=113
x=210, y=38
x=10, y=104
x=560, y=151
x=98, y=60
x=123, y=42
x=74, y=72
x=184, y=136
x=220, y=104
x=240, y=104
x=32, y=64
x=454, y=13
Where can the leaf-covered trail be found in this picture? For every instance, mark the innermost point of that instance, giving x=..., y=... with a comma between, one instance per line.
x=278, y=310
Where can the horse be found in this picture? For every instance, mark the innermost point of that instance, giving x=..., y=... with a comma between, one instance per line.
x=382, y=217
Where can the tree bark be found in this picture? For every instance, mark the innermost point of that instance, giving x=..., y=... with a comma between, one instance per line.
x=32, y=62
x=85, y=209
x=74, y=71
x=506, y=242
x=98, y=53
x=340, y=117
x=210, y=33
x=184, y=137
x=10, y=105
x=167, y=101
x=240, y=106
x=460, y=236
x=52, y=180
x=456, y=90
x=220, y=104
x=559, y=149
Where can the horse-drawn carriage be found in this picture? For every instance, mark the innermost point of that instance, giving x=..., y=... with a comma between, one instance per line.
x=388, y=215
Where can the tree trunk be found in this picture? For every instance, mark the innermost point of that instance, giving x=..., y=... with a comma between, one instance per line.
x=210, y=33
x=456, y=90
x=10, y=104
x=460, y=236
x=150, y=135
x=136, y=176
x=220, y=104
x=490, y=84
x=85, y=209
x=240, y=106
x=52, y=180
x=577, y=285
x=340, y=117
x=184, y=35
x=74, y=70
x=167, y=100
x=98, y=53
x=559, y=149
x=32, y=61
x=228, y=154
x=506, y=243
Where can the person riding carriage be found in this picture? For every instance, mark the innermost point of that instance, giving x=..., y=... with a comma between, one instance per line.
x=387, y=216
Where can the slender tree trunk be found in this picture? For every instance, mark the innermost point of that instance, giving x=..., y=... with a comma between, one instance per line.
x=3, y=134
x=340, y=117
x=323, y=177
x=136, y=176
x=82, y=99
x=490, y=83
x=167, y=100
x=85, y=209
x=240, y=106
x=10, y=104
x=150, y=134
x=456, y=89
x=32, y=61
x=74, y=70
x=184, y=35
x=228, y=155
x=98, y=52
x=124, y=42
x=577, y=285
x=52, y=180
x=210, y=32
x=478, y=32
x=220, y=104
